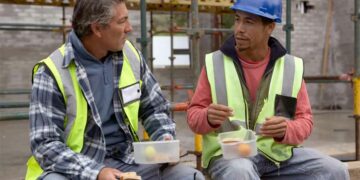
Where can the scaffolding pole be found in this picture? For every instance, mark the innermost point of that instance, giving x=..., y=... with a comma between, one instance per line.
x=172, y=58
x=30, y=27
x=288, y=27
x=63, y=23
x=195, y=42
x=151, y=58
x=143, y=40
x=356, y=80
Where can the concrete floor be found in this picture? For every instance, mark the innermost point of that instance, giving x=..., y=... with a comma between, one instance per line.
x=333, y=134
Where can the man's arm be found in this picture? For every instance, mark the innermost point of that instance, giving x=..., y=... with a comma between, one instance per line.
x=154, y=108
x=292, y=131
x=47, y=138
x=197, y=113
x=300, y=128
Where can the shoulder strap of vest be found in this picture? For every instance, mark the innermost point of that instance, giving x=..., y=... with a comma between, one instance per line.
x=293, y=72
x=134, y=58
x=217, y=62
x=53, y=66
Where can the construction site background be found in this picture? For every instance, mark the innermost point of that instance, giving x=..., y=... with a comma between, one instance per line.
x=20, y=50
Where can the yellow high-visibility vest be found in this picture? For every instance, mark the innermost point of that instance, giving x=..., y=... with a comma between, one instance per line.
x=226, y=89
x=76, y=116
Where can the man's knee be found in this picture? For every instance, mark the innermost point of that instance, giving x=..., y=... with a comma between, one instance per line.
x=234, y=169
x=334, y=168
x=182, y=172
x=54, y=176
x=241, y=169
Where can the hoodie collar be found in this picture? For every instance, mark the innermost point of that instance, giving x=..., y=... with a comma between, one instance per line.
x=69, y=53
x=277, y=50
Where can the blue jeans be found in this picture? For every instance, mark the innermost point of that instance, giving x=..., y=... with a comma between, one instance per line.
x=147, y=171
x=305, y=164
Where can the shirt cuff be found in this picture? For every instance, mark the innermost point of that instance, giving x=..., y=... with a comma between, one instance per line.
x=212, y=126
x=92, y=171
x=165, y=137
x=206, y=122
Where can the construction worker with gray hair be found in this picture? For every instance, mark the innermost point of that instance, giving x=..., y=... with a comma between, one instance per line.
x=88, y=98
x=252, y=83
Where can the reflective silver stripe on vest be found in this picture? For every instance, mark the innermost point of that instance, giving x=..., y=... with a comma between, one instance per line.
x=288, y=77
x=221, y=92
x=219, y=75
x=57, y=59
x=133, y=60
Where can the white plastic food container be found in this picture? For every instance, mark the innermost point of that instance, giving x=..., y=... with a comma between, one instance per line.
x=153, y=152
x=238, y=145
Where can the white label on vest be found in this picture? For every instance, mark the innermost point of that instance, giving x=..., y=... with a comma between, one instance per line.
x=131, y=93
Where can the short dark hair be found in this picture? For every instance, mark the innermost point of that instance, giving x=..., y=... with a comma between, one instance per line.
x=266, y=21
x=89, y=11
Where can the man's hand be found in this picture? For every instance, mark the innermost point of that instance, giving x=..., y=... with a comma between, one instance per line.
x=109, y=174
x=274, y=127
x=168, y=138
x=218, y=113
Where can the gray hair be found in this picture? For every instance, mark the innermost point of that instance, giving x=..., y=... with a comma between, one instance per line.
x=90, y=11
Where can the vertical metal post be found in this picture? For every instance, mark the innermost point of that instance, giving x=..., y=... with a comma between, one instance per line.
x=195, y=64
x=151, y=59
x=356, y=19
x=172, y=58
x=356, y=79
x=288, y=27
x=189, y=25
x=216, y=35
x=221, y=37
x=63, y=23
x=143, y=40
x=195, y=42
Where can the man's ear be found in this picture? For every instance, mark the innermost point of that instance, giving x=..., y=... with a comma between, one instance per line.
x=96, y=29
x=270, y=28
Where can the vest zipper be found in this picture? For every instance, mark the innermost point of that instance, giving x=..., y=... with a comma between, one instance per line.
x=254, y=109
x=277, y=163
x=246, y=114
x=257, y=98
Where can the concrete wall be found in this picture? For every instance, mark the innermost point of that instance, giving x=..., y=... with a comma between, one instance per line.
x=308, y=42
x=20, y=50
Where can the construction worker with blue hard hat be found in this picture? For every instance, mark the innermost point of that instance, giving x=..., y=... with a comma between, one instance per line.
x=251, y=83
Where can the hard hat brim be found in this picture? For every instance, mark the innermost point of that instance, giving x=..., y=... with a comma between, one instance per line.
x=256, y=12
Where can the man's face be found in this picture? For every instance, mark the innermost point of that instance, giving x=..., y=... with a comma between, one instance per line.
x=113, y=35
x=250, y=32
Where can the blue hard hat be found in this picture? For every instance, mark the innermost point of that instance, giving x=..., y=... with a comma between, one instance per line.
x=271, y=9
